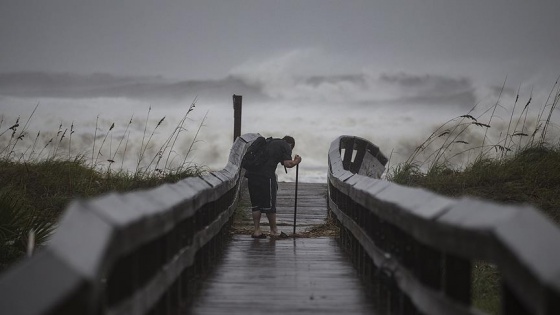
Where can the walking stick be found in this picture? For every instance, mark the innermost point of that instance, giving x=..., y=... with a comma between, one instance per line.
x=295, y=200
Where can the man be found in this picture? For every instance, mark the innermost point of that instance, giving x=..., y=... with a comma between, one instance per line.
x=263, y=183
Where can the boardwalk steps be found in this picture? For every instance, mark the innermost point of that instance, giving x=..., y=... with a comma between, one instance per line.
x=311, y=208
x=143, y=252
x=288, y=276
x=285, y=276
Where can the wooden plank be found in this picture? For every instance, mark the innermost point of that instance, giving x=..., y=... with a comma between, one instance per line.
x=311, y=208
x=514, y=237
x=290, y=276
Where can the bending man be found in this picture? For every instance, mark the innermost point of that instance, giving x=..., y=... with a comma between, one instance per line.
x=263, y=183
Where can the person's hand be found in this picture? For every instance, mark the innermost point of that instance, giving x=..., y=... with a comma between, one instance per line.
x=297, y=159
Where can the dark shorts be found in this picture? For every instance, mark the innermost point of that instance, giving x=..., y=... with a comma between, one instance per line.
x=262, y=191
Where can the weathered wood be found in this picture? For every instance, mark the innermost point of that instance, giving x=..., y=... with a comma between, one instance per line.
x=290, y=276
x=140, y=252
x=126, y=253
x=516, y=238
x=237, y=103
x=311, y=209
x=424, y=298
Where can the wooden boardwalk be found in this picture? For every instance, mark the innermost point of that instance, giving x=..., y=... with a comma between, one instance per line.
x=311, y=208
x=285, y=276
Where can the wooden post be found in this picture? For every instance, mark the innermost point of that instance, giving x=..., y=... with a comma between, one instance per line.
x=236, y=116
x=295, y=200
x=457, y=280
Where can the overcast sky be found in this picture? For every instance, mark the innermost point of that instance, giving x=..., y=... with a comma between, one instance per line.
x=314, y=69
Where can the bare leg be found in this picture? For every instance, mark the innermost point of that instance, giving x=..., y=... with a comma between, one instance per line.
x=272, y=221
x=257, y=222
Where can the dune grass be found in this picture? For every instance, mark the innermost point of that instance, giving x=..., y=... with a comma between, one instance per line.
x=520, y=165
x=39, y=179
x=530, y=176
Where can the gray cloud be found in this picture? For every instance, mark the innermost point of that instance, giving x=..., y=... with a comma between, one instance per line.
x=357, y=79
x=400, y=88
x=67, y=85
x=464, y=99
x=432, y=89
x=431, y=82
x=387, y=89
x=499, y=90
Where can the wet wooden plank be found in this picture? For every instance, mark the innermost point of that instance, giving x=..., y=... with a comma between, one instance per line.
x=287, y=276
x=311, y=207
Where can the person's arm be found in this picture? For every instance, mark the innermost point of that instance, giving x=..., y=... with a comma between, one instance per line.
x=292, y=163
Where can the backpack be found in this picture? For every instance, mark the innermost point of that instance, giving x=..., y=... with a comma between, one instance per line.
x=256, y=155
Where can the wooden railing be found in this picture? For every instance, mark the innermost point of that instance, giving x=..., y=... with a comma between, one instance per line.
x=141, y=252
x=132, y=253
x=419, y=246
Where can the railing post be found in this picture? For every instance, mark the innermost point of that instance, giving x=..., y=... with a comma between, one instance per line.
x=360, y=148
x=237, y=99
x=510, y=303
x=457, y=280
x=348, y=146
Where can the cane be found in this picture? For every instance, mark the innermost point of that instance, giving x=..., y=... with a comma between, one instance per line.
x=295, y=199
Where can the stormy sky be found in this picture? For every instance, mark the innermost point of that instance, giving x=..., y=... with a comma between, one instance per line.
x=388, y=71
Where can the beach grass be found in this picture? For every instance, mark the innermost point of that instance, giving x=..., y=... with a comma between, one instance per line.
x=521, y=165
x=40, y=177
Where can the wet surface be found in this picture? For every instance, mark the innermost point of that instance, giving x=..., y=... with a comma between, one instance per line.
x=286, y=276
x=311, y=208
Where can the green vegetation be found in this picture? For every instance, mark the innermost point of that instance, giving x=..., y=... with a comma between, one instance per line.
x=530, y=176
x=34, y=195
x=39, y=180
x=520, y=164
